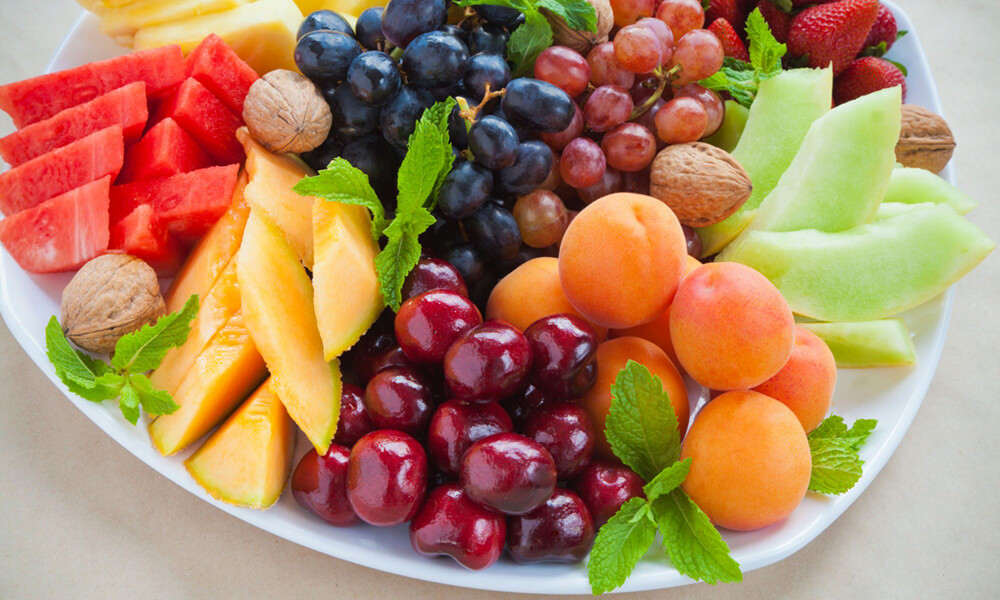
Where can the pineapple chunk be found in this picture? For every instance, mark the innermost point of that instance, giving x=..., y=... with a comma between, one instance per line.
x=262, y=33
x=344, y=8
x=125, y=21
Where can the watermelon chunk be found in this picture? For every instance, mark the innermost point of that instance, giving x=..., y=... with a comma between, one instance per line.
x=60, y=234
x=217, y=66
x=41, y=97
x=85, y=160
x=143, y=235
x=188, y=203
x=207, y=119
x=165, y=150
x=125, y=106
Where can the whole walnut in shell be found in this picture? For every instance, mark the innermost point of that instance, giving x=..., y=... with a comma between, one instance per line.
x=702, y=184
x=925, y=140
x=582, y=41
x=110, y=296
x=286, y=112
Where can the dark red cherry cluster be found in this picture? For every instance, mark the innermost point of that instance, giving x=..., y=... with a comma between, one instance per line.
x=480, y=413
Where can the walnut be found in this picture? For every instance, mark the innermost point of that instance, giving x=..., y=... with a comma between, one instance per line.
x=285, y=112
x=582, y=41
x=925, y=140
x=110, y=296
x=702, y=184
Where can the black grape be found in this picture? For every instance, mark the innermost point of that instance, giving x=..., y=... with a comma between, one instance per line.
x=351, y=117
x=486, y=68
x=320, y=157
x=537, y=105
x=470, y=262
x=434, y=59
x=399, y=116
x=464, y=190
x=369, y=27
x=457, y=130
x=494, y=231
x=374, y=78
x=493, y=142
x=456, y=31
x=324, y=19
x=530, y=168
x=498, y=15
x=403, y=20
x=373, y=155
x=488, y=38
x=324, y=56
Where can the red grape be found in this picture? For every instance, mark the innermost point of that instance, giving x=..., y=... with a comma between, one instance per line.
x=663, y=33
x=606, y=69
x=648, y=118
x=638, y=48
x=713, y=105
x=630, y=11
x=699, y=54
x=608, y=107
x=564, y=68
x=582, y=163
x=554, y=179
x=636, y=183
x=610, y=183
x=681, y=120
x=541, y=217
x=559, y=139
x=629, y=147
x=681, y=16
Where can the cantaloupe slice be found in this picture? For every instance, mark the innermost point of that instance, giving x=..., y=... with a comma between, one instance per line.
x=779, y=118
x=247, y=461
x=866, y=344
x=225, y=373
x=270, y=190
x=347, y=297
x=278, y=304
x=217, y=307
x=211, y=256
x=869, y=272
x=915, y=186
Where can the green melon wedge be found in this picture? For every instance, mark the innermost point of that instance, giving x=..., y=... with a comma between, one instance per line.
x=866, y=344
x=779, y=118
x=839, y=177
x=871, y=271
x=915, y=186
x=731, y=130
x=888, y=210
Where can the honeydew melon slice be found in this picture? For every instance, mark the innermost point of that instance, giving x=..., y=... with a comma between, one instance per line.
x=779, y=118
x=866, y=344
x=731, y=130
x=915, y=186
x=840, y=175
x=888, y=210
x=871, y=271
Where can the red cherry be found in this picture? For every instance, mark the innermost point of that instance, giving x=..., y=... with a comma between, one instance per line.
x=386, y=477
x=450, y=523
x=319, y=484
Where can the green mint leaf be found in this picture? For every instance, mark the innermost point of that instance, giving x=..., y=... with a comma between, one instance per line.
x=691, y=541
x=859, y=432
x=154, y=401
x=428, y=159
x=668, y=480
x=129, y=403
x=527, y=42
x=578, y=14
x=765, y=51
x=144, y=349
x=641, y=426
x=344, y=183
x=619, y=545
x=401, y=254
x=107, y=387
x=831, y=427
x=735, y=64
x=72, y=366
x=836, y=466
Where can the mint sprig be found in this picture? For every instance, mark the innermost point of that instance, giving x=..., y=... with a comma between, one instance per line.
x=134, y=355
x=742, y=79
x=428, y=160
x=836, y=464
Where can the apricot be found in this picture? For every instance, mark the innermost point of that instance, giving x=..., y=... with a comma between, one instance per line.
x=805, y=384
x=750, y=462
x=621, y=259
x=730, y=327
x=658, y=330
x=612, y=356
x=530, y=292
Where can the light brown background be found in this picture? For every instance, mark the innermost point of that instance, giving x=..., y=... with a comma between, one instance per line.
x=81, y=518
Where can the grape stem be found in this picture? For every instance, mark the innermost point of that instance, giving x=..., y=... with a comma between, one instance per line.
x=396, y=54
x=470, y=114
x=662, y=78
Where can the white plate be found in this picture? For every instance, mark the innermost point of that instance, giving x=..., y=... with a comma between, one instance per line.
x=890, y=395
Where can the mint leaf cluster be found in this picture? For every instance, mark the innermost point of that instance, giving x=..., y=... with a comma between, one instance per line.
x=535, y=34
x=742, y=79
x=641, y=428
x=836, y=464
x=135, y=354
x=428, y=160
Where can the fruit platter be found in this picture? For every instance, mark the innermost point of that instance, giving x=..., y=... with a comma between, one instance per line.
x=537, y=296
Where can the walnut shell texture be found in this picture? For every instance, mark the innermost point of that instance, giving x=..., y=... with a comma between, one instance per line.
x=925, y=140
x=286, y=112
x=108, y=297
x=702, y=184
x=582, y=41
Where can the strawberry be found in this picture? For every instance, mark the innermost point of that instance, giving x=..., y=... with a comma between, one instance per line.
x=832, y=33
x=731, y=43
x=777, y=19
x=884, y=29
x=729, y=10
x=867, y=75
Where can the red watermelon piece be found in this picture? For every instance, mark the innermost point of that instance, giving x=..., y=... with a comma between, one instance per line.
x=188, y=203
x=28, y=185
x=165, y=150
x=125, y=106
x=41, y=97
x=217, y=66
x=207, y=119
x=60, y=234
x=143, y=235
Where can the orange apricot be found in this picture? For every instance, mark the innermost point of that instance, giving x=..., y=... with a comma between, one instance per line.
x=530, y=292
x=805, y=384
x=612, y=356
x=621, y=259
x=750, y=461
x=730, y=327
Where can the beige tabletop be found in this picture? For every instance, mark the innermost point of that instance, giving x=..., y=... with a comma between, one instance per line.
x=80, y=517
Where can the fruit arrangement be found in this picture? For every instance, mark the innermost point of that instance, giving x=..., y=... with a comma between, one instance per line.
x=477, y=251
